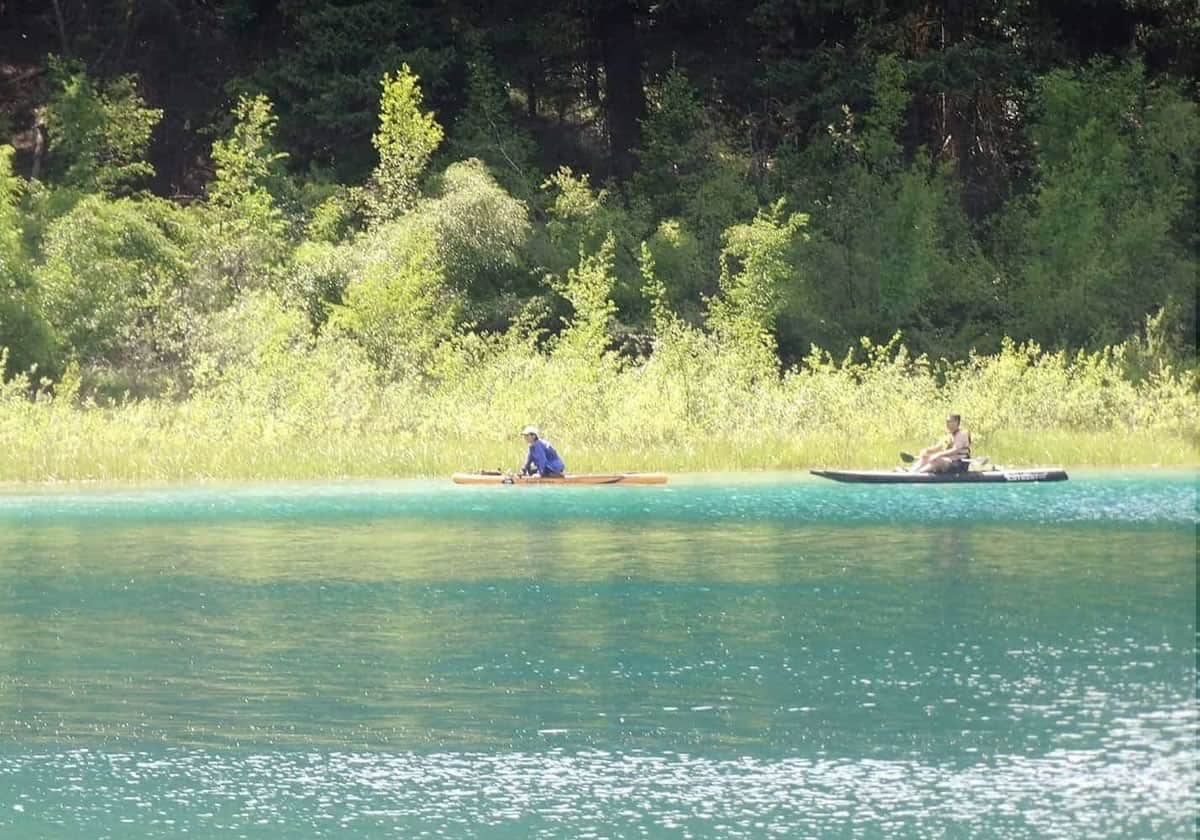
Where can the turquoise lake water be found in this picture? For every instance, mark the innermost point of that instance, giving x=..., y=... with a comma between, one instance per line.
x=734, y=656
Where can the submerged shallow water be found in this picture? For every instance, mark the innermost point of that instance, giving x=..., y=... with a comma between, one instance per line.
x=729, y=657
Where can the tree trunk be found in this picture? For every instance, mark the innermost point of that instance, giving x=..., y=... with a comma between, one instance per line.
x=592, y=73
x=624, y=100
x=62, y=28
x=951, y=143
x=39, y=143
x=531, y=86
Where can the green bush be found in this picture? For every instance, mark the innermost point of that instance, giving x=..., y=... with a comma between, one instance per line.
x=23, y=330
x=406, y=140
x=398, y=306
x=110, y=269
x=1103, y=241
x=754, y=267
x=244, y=232
x=479, y=229
x=579, y=220
x=680, y=265
x=98, y=134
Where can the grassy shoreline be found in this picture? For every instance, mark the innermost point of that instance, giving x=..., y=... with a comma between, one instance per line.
x=147, y=458
x=296, y=410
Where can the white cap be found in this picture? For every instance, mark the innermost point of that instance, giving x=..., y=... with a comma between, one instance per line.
x=530, y=430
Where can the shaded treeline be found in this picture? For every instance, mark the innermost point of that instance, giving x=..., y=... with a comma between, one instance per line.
x=779, y=174
x=776, y=71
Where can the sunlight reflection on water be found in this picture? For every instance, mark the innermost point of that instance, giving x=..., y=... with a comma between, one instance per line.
x=760, y=659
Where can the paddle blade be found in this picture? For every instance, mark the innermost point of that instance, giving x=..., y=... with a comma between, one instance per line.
x=907, y=457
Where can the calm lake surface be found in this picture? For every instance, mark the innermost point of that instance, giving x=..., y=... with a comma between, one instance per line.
x=734, y=656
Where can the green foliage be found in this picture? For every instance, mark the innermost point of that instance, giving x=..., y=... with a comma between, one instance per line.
x=475, y=229
x=1108, y=225
x=98, y=134
x=406, y=140
x=688, y=171
x=581, y=366
x=754, y=268
x=479, y=228
x=889, y=239
x=580, y=220
x=317, y=276
x=245, y=230
x=721, y=197
x=678, y=141
x=679, y=387
x=329, y=219
x=256, y=331
x=1161, y=346
x=678, y=263
x=246, y=160
x=880, y=148
x=325, y=76
x=24, y=335
x=486, y=129
x=23, y=331
x=273, y=401
x=110, y=267
x=655, y=291
x=398, y=306
x=14, y=262
x=589, y=289
x=260, y=357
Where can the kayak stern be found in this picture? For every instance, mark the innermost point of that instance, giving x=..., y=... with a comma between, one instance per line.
x=997, y=476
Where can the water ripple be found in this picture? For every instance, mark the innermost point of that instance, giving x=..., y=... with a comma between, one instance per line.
x=1066, y=793
x=732, y=498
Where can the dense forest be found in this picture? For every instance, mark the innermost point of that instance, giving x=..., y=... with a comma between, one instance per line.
x=423, y=186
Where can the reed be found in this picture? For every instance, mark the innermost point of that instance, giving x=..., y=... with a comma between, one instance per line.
x=318, y=417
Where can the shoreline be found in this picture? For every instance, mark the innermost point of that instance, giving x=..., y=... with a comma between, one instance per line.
x=740, y=477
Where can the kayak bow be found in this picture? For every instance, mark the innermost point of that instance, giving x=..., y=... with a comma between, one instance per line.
x=996, y=476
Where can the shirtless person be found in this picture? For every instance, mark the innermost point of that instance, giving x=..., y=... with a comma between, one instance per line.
x=950, y=455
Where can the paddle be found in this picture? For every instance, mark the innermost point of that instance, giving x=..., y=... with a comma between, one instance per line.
x=907, y=457
x=505, y=477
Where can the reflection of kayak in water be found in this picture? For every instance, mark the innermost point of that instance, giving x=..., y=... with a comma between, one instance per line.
x=994, y=476
x=490, y=477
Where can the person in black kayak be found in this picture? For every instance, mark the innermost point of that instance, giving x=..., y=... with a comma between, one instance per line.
x=541, y=459
x=951, y=454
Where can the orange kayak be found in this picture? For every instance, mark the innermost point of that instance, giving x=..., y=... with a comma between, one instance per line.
x=498, y=478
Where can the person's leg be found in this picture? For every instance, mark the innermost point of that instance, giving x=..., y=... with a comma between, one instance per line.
x=922, y=461
x=921, y=464
x=940, y=465
x=933, y=465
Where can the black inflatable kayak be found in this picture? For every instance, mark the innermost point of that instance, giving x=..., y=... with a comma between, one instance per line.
x=980, y=477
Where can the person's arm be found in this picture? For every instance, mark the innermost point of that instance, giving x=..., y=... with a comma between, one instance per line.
x=941, y=449
x=524, y=470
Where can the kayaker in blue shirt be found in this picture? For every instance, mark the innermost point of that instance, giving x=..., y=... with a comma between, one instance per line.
x=542, y=460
